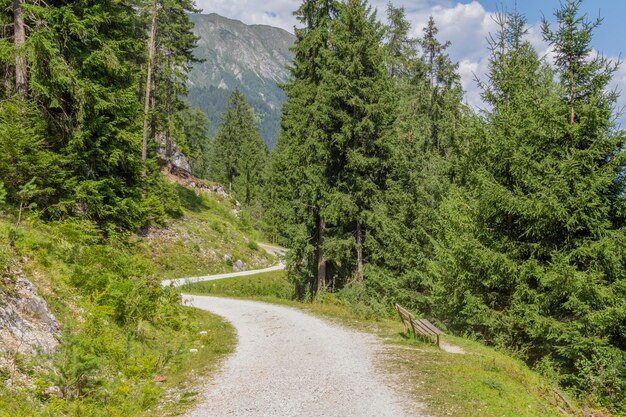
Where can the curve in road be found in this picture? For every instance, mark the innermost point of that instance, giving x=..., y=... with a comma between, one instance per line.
x=289, y=363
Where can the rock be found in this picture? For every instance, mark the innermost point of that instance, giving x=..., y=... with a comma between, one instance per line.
x=27, y=325
x=228, y=257
x=193, y=350
x=53, y=392
x=238, y=266
x=219, y=190
x=203, y=333
x=179, y=160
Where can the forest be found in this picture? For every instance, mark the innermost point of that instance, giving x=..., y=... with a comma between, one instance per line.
x=505, y=224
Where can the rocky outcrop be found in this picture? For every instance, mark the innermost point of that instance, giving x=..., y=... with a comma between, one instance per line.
x=178, y=160
x=27, y=325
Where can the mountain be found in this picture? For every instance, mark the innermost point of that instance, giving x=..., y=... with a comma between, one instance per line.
x=252, y=58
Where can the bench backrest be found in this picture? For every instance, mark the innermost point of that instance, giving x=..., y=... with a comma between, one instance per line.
x=418, y=326
x=404, y=314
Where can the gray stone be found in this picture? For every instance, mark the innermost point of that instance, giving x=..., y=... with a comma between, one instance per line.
x=238, y=266
x=53, y=392
x=27, y=325
x=179, y=160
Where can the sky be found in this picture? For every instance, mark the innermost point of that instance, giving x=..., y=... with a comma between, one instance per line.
x=465, y=23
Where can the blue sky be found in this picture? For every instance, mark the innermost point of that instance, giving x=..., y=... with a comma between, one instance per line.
x=466, y=23
x=610, y=38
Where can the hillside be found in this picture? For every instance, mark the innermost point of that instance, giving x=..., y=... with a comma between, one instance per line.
x=252, y=58
x=85, y=327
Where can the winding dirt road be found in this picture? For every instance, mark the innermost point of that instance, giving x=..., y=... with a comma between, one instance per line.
x=289, y=363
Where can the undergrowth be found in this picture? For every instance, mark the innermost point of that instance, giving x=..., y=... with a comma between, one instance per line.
x=482, y=382
x=126, y=341
x=208, y=239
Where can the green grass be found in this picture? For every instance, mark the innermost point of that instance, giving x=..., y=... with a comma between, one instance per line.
x=269, y=286
x=483, y=382
x=197, y=244
x=131, y=388
x=122, y=334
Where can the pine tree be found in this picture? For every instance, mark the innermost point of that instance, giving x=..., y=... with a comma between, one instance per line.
x=296, y=181
x=525, y=241
x=238, y=153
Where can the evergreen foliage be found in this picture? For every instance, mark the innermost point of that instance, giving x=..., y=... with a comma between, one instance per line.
x=192, y=126
x=507, y=224
x=238, y=154
x=75, y=132
x=530, y=252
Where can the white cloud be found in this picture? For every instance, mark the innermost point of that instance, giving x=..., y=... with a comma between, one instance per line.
x=466, y=26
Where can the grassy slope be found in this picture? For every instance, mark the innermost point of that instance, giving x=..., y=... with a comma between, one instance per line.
x=196, y=244
x=66, y=260
x=483, y=382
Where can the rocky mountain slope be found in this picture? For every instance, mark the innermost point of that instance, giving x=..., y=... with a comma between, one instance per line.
x=252, y=58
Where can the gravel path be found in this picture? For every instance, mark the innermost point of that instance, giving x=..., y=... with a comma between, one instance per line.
x=288, y=363
x=185, y=281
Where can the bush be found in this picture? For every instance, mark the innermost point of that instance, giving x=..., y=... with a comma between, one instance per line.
x=3, y=194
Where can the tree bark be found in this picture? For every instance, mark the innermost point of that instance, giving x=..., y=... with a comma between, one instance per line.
x=572, y=97
x=359, y=252
x=321, y=261
x=168, y=112
x=151, y=52
x=21, y=80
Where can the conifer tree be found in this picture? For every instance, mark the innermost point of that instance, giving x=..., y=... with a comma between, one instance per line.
x=524, y=243
x=405, y=218
x=238, y=153
x=356, y=97
x=86, y=87
x=296, y=179
x=401, y=48
x=173, y=57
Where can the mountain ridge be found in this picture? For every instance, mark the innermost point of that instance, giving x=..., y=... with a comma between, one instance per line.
x=234, y=55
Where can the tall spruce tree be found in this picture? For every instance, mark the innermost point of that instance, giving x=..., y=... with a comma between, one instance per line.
x=297, y=184
x=401, y=48
x=238, y=154
x=357, y=98
x=335, y=136
x=430, y=113
x=84, y=77
x=173, y=57
x=530, y=249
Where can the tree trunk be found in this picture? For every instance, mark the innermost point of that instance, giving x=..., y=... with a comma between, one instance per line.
x=321, y=261
x=151, y=52
x=168, y=112
x=359, y=252
x=21, y=81
x=572, y=97
x=140, y=89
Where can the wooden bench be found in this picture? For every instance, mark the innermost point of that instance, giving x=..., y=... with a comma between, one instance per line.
x=421, y=327
x=405, y=317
